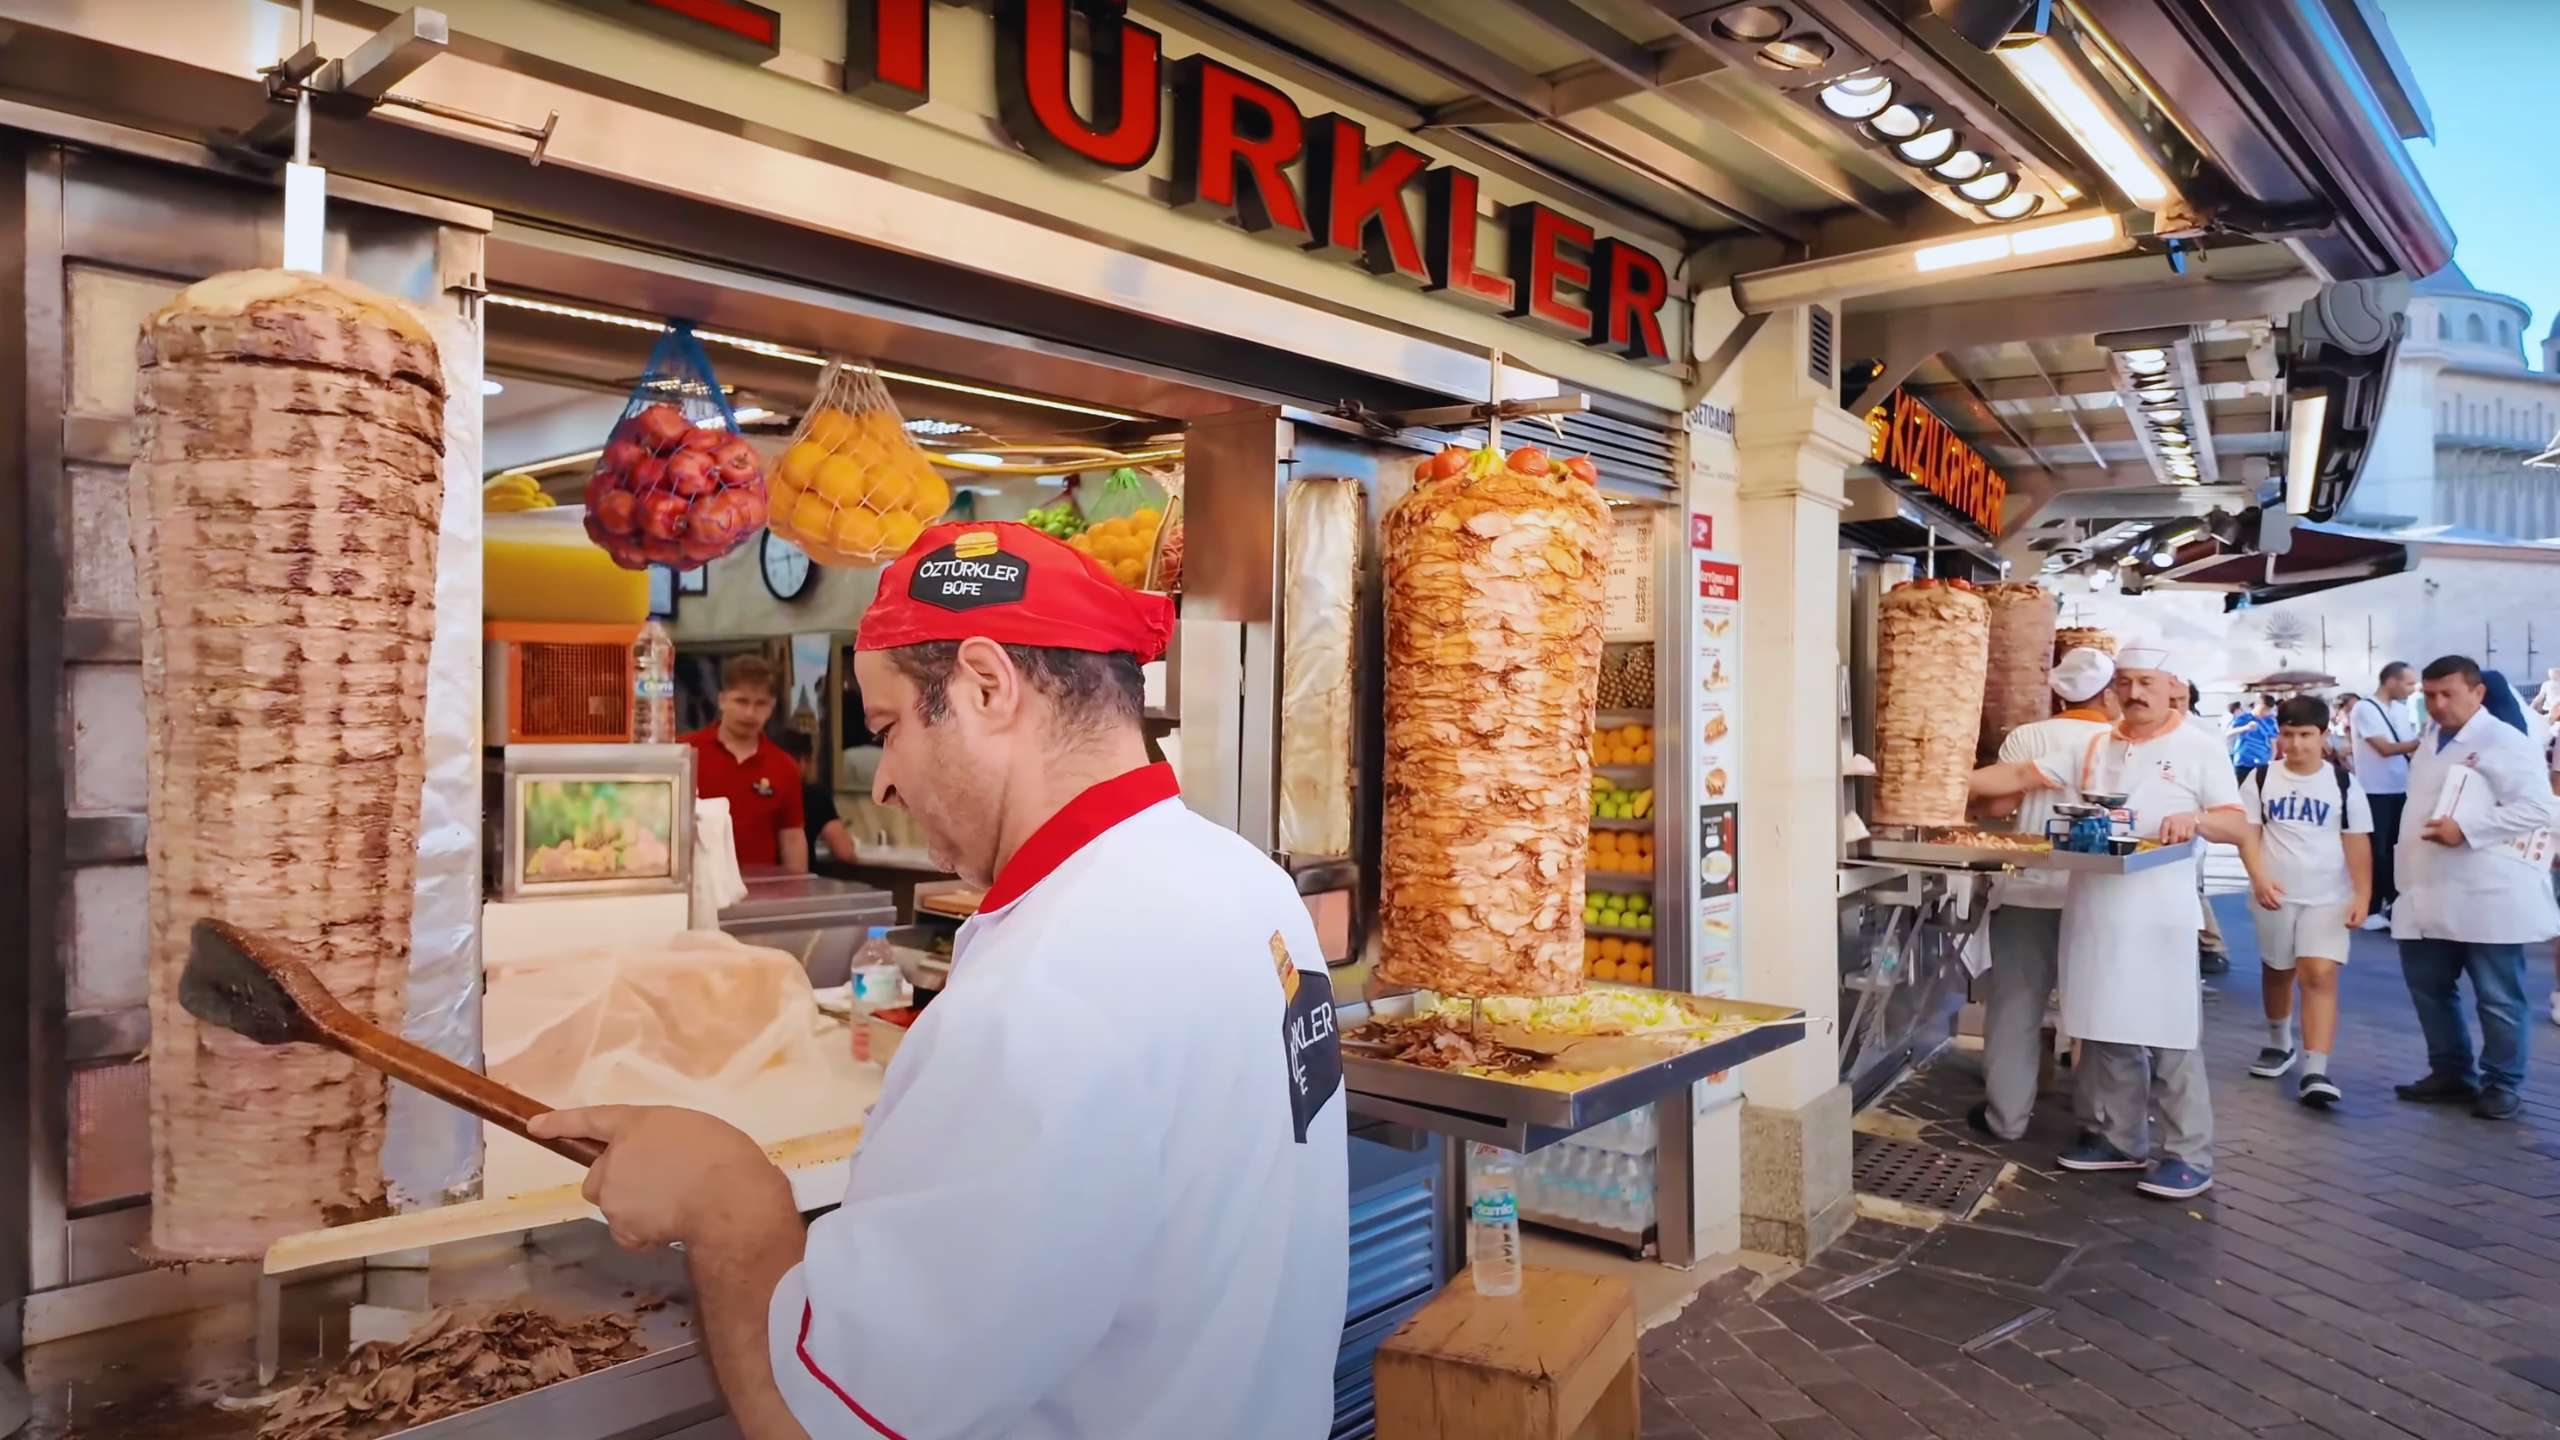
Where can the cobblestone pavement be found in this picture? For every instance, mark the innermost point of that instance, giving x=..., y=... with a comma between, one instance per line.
x=2382, y=1272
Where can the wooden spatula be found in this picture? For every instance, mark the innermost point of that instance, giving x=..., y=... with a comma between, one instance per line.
x=244, y=983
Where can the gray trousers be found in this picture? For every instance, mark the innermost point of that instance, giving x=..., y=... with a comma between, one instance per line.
x=2120, y=1083
x=2026, y=948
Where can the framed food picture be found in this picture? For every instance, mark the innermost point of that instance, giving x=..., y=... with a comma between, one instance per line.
x=597, y=820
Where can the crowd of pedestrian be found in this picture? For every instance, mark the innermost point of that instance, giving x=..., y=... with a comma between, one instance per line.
x=2427, y=808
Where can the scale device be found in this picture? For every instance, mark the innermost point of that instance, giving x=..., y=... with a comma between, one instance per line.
x=2094, y=825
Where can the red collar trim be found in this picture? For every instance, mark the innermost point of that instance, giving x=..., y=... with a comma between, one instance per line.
x=1078, y=823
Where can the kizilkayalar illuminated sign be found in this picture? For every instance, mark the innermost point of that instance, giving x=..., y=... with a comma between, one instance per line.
x=1236, y=140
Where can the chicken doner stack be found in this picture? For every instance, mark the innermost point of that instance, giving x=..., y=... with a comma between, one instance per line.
x=2018, y=685
x=285, y=492
x=1931, y=653
x=1494, y=576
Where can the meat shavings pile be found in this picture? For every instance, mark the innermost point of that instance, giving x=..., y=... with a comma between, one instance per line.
x=455, y=1361
x=1441, y=1042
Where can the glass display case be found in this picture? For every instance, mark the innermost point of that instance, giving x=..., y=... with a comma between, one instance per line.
x=594, y=820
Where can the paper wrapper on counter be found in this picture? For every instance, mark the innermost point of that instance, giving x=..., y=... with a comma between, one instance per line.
x=285, y=490
x=2017, y=684
x=2080, y=637
x=1323, y=521
x=1493, y=610
x=1933, y=647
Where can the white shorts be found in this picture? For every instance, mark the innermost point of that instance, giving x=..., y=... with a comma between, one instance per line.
x=2292, y=931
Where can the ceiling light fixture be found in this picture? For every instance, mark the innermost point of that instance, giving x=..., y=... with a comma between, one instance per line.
x=777, y=351
x=2163, y=559
x=2302, y=449
x=1858, y=96
x=1983, y=189
x=1927, y=149
x=1901, y=122
x=1797, y=52
x=2015, y=207
x=491, y=387
x=2059, y=84
x=1752, y=24
x=1962, y=165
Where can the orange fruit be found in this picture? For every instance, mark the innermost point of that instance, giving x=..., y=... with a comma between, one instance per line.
x=830, y=429
x=1131, y=573
x=840, y=480
x=1081, y=544
x=1613, y=949
x=898, y=530
x=800, y=463
x=890, y=485
x=1605, y=969
x=811, y=515
x=780, y=496
x=1145, y=519
x=856, y=530
x=931, y=497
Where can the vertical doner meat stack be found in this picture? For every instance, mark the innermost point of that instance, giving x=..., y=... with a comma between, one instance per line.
x=1931, y=652
x=1494, y=578
x=285, y=492
x=2018, y=685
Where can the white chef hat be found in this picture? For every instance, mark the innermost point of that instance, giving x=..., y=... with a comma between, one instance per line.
x=2081, y=673
x=2156, y=657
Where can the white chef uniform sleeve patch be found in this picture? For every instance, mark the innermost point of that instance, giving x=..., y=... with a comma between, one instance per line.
x=1306, y=1028
x=993, y=1219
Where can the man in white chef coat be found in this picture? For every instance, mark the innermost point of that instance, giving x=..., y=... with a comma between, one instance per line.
x=2475, y=889
x=2130, y=988
x=1102, y=1194
x=2026, y=929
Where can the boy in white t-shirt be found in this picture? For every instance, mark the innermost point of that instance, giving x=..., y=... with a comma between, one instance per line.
x=2317, y=835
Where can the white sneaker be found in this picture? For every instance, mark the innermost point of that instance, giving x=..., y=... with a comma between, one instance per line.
x=2555, y=1007
x=2376, y=921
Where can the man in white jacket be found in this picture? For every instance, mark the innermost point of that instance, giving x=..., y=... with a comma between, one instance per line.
x=2475, y=889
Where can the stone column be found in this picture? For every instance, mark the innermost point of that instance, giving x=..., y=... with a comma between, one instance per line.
x=1794, y=442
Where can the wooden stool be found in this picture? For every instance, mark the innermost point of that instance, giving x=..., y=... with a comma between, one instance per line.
x=1555, y=1362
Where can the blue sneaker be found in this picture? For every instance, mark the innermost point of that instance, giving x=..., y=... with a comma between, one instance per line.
x=2175, y=1180
x=2096, y=1154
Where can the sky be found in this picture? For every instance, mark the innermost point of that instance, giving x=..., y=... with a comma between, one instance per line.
x=2487, y=69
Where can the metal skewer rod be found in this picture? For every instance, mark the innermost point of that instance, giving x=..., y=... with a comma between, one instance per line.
x=302, y=98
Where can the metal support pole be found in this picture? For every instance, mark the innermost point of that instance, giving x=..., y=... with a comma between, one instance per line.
x=302, y=94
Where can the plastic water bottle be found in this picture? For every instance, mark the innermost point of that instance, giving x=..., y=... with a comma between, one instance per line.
x=1493, y=1220
x=653, y=686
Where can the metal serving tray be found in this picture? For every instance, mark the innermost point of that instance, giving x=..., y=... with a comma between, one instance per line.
x=1971, y=857
x=1526, y=1117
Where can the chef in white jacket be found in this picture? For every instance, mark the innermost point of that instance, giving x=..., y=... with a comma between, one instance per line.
x=2130, y=988
x=1102, y=1195
x=2475, y=889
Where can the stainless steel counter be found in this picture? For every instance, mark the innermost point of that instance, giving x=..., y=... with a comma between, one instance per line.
x=819, y=919
x=162, y=1379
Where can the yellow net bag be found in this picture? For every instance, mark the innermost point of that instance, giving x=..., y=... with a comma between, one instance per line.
x=853, y=489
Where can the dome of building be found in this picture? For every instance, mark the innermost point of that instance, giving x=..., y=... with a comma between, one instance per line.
x=2448, y=312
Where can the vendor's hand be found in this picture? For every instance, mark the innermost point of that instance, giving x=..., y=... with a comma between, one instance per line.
x=2269, y=894
x=2180, y=828
x=666, y=1173
x=2444, y=831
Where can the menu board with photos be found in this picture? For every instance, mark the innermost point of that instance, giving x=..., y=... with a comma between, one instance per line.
x=1715, y=626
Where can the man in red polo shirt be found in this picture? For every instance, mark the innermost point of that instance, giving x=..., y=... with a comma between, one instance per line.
x=733, y=761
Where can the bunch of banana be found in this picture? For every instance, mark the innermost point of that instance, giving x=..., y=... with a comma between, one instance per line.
x=514, y=492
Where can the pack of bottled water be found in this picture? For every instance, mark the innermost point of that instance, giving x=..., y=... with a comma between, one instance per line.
x=1602, y=1177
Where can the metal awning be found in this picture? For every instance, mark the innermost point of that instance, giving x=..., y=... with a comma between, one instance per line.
x=2322, y=557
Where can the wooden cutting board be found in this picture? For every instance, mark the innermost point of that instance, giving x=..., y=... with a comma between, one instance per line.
x=814, y=1163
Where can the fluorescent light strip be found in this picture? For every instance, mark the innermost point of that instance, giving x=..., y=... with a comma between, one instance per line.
x=2041, y=66
x=2302, y=449
x=777, y=351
